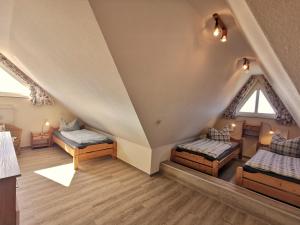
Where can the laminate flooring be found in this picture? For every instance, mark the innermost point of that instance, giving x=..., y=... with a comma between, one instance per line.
x=110, y=192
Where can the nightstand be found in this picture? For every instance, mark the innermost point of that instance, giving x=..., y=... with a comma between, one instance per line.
x=39, y=140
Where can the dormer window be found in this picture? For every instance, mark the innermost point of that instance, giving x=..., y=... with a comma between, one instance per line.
x=256, y=104
x=11, y=87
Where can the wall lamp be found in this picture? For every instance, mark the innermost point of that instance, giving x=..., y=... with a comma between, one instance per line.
x=220, y=29
x=246, y=64
x=271, y=131
x=232, y=126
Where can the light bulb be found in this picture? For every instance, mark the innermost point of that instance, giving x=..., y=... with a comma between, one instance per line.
x=233, y=125
x=245, y=67
x=271, y=132
x=246, y=64
x=47, y=123
x=217, y=31
x=223, y=38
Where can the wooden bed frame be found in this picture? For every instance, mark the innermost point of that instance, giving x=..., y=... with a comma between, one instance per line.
x=274, y=187
x=202, y=164
x=89, y=152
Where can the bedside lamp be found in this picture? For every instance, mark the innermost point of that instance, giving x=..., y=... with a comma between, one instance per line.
x=233, y=125
x=47, y=124
x=271, y=131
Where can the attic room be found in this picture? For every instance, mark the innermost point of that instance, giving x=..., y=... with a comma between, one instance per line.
x=149, y=112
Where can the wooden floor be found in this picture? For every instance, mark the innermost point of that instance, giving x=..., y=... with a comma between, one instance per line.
x=107, y=191
x=227, y=172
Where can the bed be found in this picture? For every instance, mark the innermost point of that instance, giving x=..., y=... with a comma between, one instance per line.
x=81, y=150
x=206, y=155
x=272, y=174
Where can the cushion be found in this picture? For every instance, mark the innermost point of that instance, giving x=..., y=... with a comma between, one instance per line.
x=219, y=135
x=2, y=127
x=71, y=126
x=283, y=146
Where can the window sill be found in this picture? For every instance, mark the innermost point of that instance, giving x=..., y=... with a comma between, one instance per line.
x=12, y=95
x=257, y=115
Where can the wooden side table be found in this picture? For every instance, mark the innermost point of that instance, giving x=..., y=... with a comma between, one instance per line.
x=39, y=140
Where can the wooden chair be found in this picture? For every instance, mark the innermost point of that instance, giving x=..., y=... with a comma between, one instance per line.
x=16, y=133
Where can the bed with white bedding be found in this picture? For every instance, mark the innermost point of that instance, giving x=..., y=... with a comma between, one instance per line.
x=206, y=155
x=272, y=174
x=84, y=144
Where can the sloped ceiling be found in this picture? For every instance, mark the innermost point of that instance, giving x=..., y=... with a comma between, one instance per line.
x=158, y=76
x=178, y=76
x=59, y=44
x=280, y=21
x=272, y=28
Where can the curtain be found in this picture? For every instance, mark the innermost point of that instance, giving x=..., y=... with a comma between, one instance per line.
x=38, y=95
x=230, y=111
x=282, y=115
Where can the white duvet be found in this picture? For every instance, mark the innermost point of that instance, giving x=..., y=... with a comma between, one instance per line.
x=84, y=136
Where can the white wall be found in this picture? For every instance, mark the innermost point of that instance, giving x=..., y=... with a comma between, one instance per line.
x=60, y=45
x=173, y=68
x=31, y=118
x=137, y=155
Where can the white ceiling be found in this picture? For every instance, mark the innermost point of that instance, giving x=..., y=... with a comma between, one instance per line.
x=174, y=70
x=59, y=44
x=146, y=71
x=280, y=22
x=271, y=29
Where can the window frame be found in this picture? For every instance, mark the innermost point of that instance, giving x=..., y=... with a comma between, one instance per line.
x=259, y=88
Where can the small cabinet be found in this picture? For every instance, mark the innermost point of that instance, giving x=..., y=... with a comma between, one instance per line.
x=40, y=140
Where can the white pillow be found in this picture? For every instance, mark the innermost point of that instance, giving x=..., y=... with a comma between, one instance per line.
x=2, y=127
x=65, y=126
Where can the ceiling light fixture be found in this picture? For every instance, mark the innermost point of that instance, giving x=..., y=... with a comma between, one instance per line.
x=246, y=64
x=224, y=36
x=220, y=29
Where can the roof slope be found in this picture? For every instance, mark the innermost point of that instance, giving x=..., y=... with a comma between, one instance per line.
x=271, y=27
x=59, y=44
x=178, y=76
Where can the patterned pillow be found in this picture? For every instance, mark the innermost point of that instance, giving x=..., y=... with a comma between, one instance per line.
x=71, y=126
x=282, y=146
x=219, y=135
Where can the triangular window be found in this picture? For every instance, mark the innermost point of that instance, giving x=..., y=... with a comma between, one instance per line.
x=264, y=106
x=249, y=105
x=256, y=104
x=9, y=86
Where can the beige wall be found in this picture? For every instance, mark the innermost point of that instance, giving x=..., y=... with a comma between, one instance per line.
x=137, y=155
x=265, y=138
x=30, y=118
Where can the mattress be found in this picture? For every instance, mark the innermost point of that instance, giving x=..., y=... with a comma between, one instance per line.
x=209, y=149
x=276, y=165
x=83, y=136
x=74, y=144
